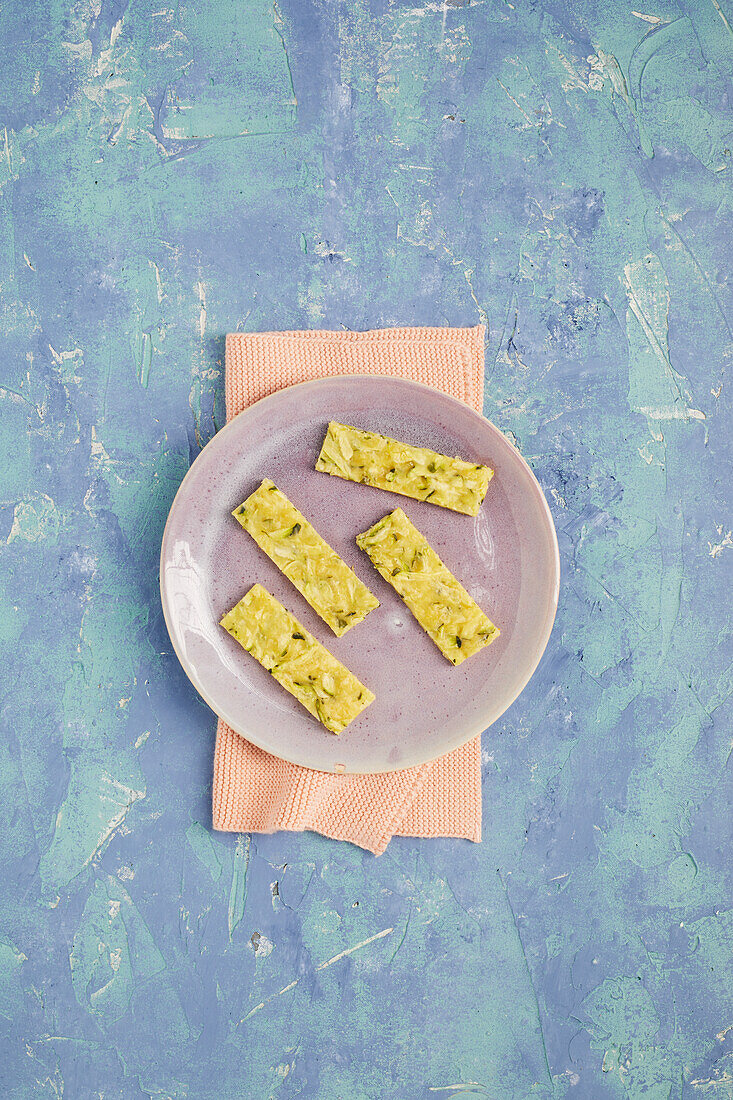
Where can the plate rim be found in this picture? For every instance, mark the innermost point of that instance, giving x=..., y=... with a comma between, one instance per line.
x=536, y=489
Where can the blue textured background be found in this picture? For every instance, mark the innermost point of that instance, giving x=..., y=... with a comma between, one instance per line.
x=557, y=169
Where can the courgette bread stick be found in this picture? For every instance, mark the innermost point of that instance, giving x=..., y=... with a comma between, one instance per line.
x=296, y=659
x=332, y=589
x=415, y=472
x=438, y=601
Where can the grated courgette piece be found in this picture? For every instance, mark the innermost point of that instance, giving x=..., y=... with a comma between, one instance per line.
x=439, y=602
x=332, y=589
x=299, y=663
x=416, y=472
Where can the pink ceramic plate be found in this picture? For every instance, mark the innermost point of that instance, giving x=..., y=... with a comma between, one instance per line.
x=506, y=557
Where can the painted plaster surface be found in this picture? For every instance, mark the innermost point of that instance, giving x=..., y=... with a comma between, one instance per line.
x=559, y=170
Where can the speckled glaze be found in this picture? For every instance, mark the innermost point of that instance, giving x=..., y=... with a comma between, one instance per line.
x=506, y=556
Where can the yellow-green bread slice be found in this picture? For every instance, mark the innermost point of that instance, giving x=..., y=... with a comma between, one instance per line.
x=438, y=601
x=415, y=472
x=297, y=660
x=332, y=589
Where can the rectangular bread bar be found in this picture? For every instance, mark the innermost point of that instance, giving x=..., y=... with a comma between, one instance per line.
x=438, y=601
x=296, y=659
x=415, y=472
x=332, y=589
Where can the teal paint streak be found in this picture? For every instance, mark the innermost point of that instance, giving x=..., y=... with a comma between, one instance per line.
x=96, y=804
x=561, y=172
x=238, y=888
x=11, y=980
x=112, y=951
x=204, y=849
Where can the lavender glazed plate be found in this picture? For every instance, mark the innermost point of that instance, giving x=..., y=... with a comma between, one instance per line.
x=506, y=557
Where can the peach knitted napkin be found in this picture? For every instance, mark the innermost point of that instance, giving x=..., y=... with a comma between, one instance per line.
x=259, y=793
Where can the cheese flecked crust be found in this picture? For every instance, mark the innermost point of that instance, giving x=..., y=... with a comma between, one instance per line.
x=438, y=601
x=415, y=472
x=296, y=659
x=332, y=589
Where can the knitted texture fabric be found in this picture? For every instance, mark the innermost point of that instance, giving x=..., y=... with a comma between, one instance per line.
x=256, y=792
